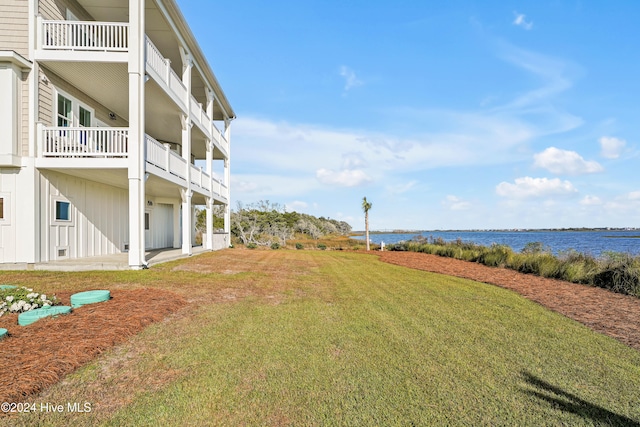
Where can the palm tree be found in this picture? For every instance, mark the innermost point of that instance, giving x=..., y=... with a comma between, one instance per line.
x=365, y=207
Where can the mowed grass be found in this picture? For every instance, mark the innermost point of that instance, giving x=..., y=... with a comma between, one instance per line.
x=335, y=338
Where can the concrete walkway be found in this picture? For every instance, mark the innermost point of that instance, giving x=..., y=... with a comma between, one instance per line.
x=107, y=262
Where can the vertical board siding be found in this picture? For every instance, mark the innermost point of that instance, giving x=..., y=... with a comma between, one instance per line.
x=8, y=185
x=24, y=115
x=14, y=26
x=99, y=215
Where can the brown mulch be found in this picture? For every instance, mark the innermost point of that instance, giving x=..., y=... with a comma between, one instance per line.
x=612, y=314
x=36, y=356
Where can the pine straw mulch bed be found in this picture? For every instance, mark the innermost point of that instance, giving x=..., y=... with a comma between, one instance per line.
x=612, y=314
x=36, y=356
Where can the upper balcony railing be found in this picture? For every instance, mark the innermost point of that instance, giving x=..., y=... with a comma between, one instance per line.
x=110, y=143
x=85, y=142
x=85, y=35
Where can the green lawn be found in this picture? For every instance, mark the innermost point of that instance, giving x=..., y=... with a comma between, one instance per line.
x=334, y=338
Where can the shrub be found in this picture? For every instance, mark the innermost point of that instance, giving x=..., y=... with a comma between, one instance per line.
x=299, y=245
x=322, y=246
x=251, y=245
x=275, y=245
x=21, y=299
x=619, y=273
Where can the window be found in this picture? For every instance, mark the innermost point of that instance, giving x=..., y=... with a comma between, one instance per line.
x=147, y=218
x=65, y=112
x=63, y=211
x=72, y=113
x=84, y=117
x=1, y=207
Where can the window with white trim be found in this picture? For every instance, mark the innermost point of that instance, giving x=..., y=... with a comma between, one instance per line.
x=72, y=113
x=5, y=205
x=63, y=211
x=65, y=111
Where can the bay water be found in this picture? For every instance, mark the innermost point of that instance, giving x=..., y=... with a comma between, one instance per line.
x=593, y=243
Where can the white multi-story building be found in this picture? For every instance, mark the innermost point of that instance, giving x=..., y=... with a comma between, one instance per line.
x=113, y=128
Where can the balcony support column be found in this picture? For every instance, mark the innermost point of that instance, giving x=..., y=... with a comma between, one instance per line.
x=136, y=168
x=187, y=223
x=227, y=210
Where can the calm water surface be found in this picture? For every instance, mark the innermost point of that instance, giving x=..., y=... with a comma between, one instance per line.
x=588, y=242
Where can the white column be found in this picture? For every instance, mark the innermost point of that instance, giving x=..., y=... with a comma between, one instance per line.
x=187, y=222
x=209, y=223
x=136, y=134
x=227, y=180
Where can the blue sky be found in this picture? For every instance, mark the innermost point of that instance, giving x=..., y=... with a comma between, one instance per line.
x=445, y=115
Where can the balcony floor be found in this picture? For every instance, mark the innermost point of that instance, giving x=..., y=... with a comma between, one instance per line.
x=107, y=262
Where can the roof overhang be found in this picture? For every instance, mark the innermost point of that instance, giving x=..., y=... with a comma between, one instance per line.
x=9, y=56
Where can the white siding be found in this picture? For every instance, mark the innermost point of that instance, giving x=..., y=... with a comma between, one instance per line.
x=99, y=217
x=8, y=224
x=162, y=226
x=24, y=114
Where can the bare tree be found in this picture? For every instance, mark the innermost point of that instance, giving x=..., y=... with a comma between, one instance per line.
x=365, y=207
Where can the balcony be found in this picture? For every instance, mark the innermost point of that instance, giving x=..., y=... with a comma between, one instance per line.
x=74, y=142
x=72, y=147
x=108, y=42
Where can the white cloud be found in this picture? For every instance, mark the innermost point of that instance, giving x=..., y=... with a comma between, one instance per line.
x=400, y=188
x=528, y=187
x=634, y=195
x=343, y=178
x=456, y=204
x=611, y=147
x=296, y=206
x=350, y=79
x=591, y=201
x=521, y=22
x=563, y=162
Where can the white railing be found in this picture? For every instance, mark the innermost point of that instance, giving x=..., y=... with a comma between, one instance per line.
x=163, y=71
x=175, y=84
x=85, y=142
x=177, y=165
x=156, y=153
x=219, y=138
x=85, y=35
x=156, y=61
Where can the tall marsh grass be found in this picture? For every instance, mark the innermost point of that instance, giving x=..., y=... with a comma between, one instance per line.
x=615, y=271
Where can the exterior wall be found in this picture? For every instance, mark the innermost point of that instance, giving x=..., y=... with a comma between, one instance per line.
x=161, y=233
x=220, y=241
x=14, y=26
x=52, y=9
x=24, y=115
x=8, y=187
x=46, y=101
x=99, y=217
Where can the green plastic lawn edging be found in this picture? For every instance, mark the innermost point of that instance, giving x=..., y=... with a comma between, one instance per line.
x=89, y=297
x=5, y=287
x=28, y=317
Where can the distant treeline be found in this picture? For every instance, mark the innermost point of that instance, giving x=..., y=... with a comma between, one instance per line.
x=264, y=223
